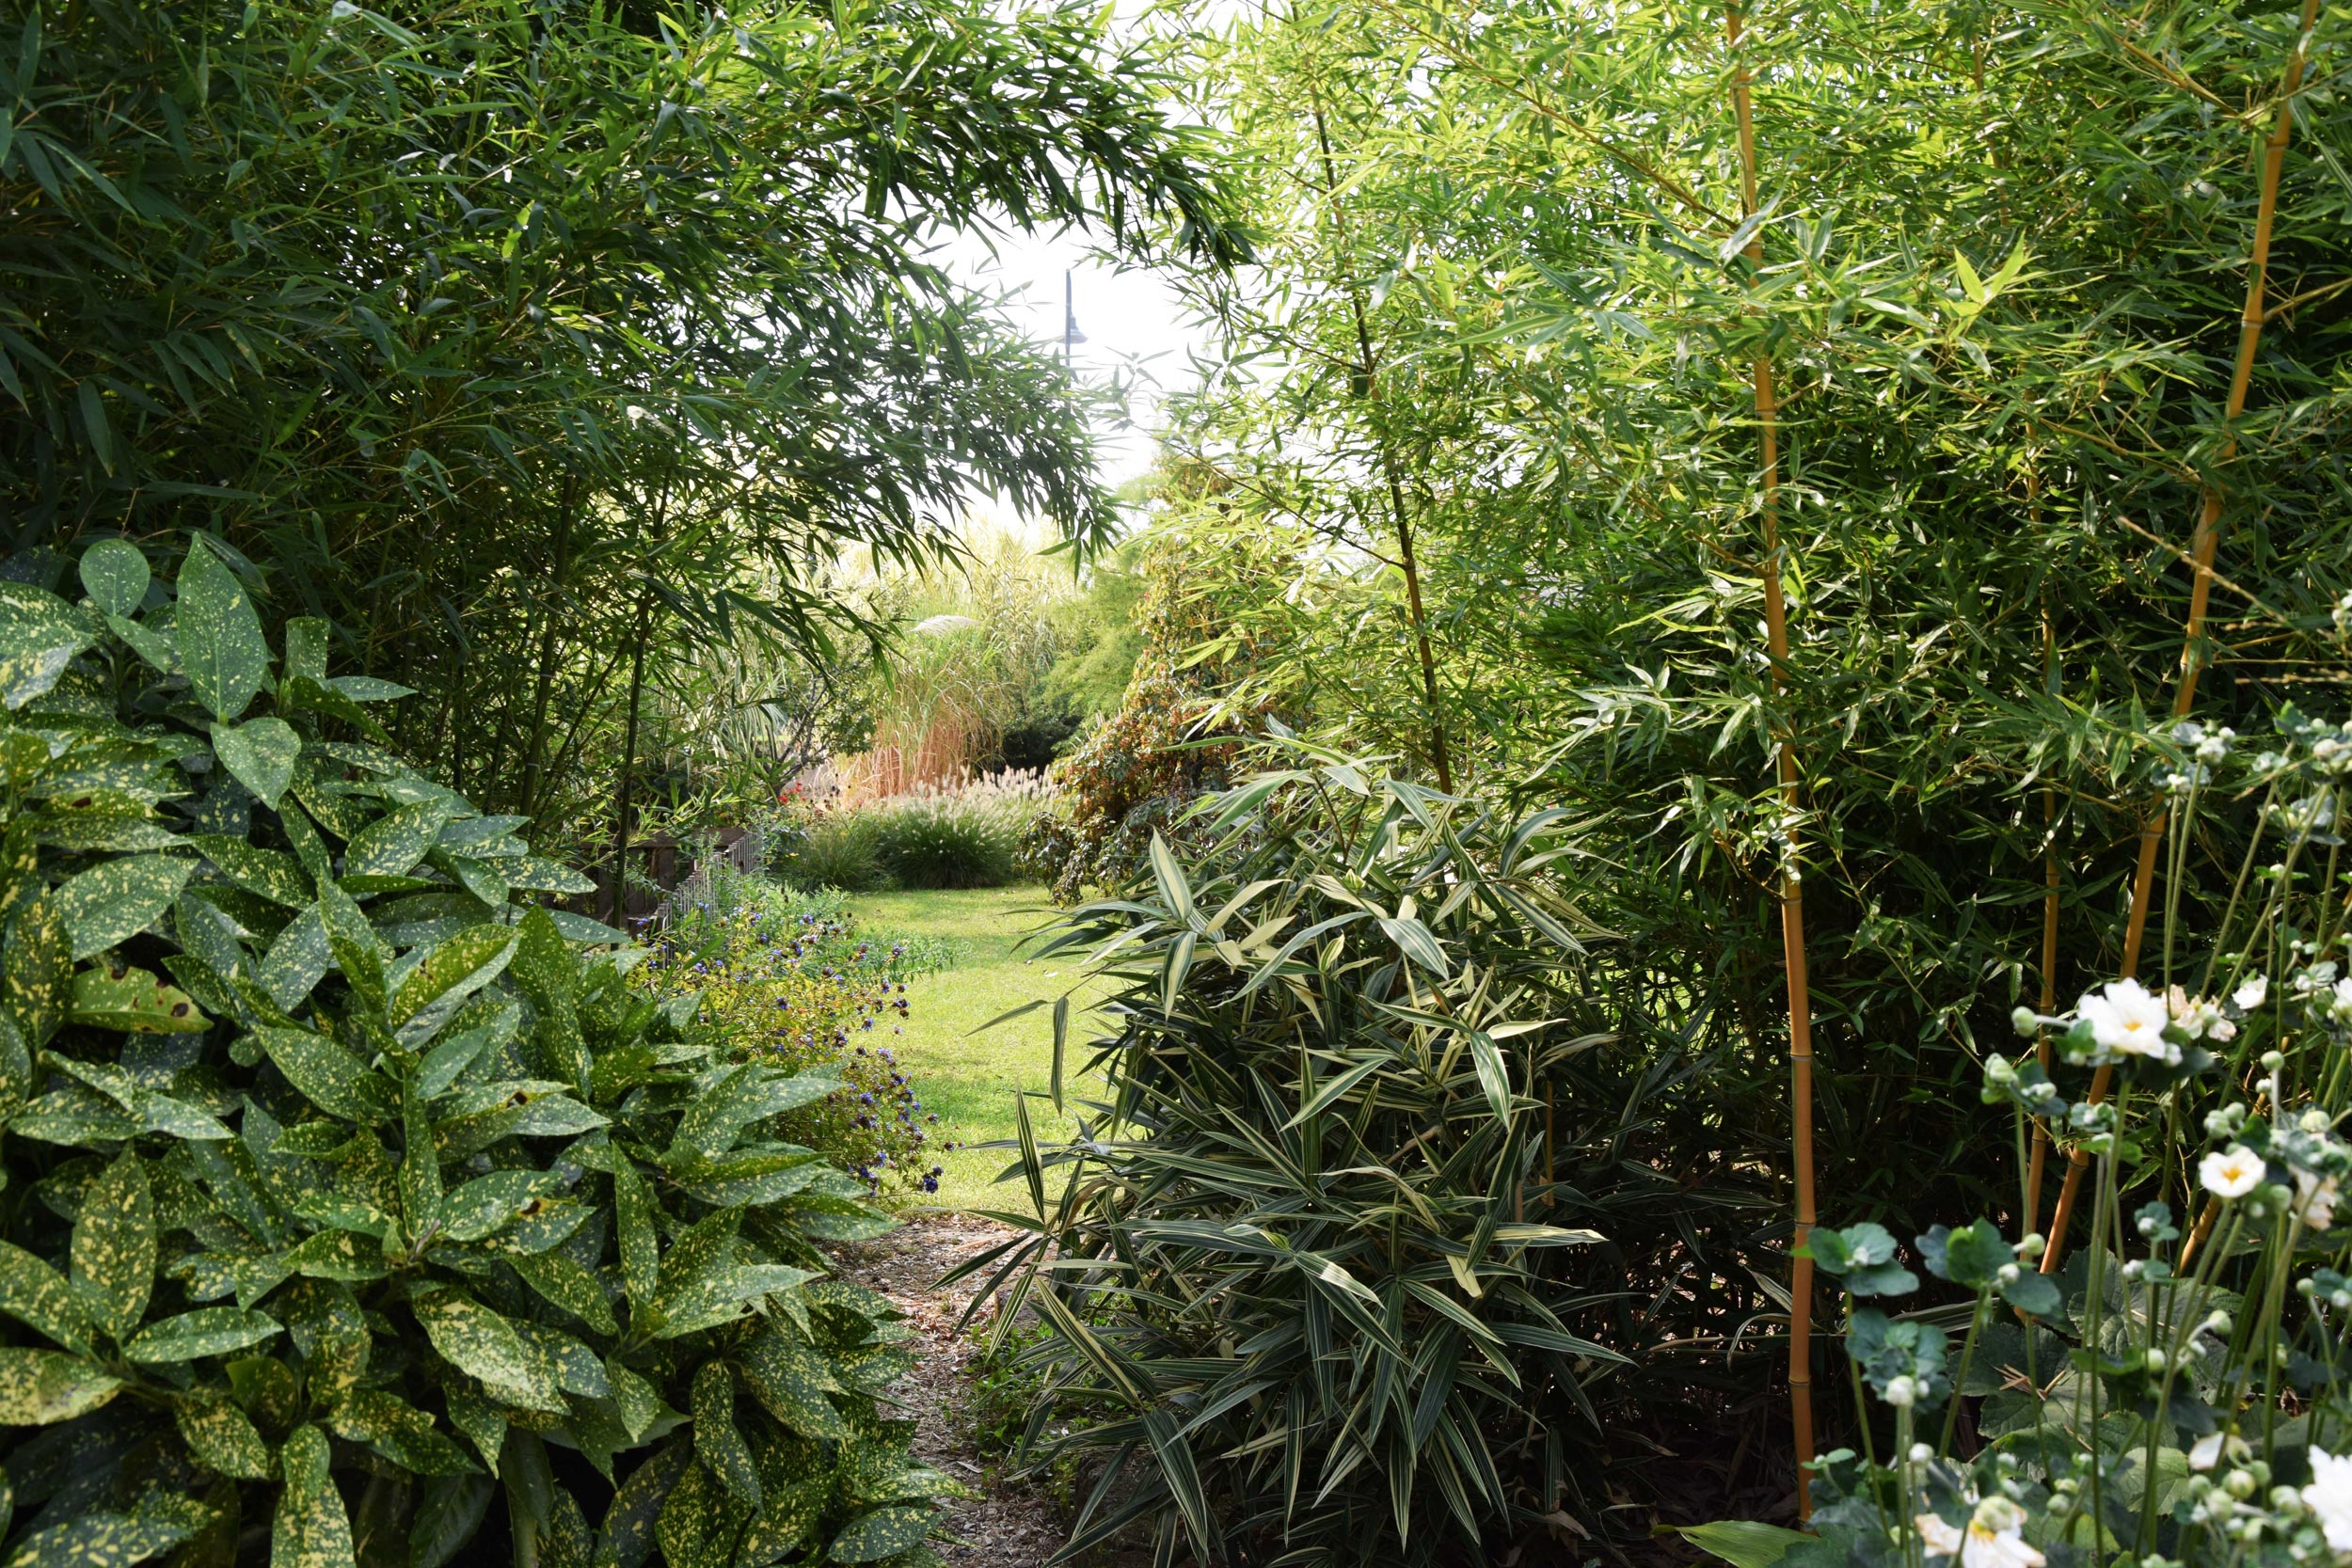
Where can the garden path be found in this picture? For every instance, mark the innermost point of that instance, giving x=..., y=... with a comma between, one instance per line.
x=971, y=1077
x=1006, y=1522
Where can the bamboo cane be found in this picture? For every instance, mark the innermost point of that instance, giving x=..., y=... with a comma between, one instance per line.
x=1791, y=886
x=2203, y=544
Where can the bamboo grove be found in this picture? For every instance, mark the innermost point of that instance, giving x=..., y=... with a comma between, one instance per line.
x=542, y=347
x=1832, y=441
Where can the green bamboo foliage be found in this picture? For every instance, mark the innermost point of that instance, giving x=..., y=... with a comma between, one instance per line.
x=2204, y=542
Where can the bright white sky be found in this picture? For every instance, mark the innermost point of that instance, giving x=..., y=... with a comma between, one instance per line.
x=1133, y=322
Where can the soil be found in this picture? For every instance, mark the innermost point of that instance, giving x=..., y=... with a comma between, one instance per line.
x=1009, y=1523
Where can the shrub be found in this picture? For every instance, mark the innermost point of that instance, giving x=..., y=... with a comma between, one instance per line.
x=796, y=992
x=964, y=835
x=1346, y=1301
x=386, y=1196
x=2175, y=1391
x=836, y=849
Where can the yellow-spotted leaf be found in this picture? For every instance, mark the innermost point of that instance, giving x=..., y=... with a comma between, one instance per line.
x=36, y=969
x=37, y=1296
x=114, y=1246
x=40, y=1387
x=475, y=1340
x=453, y=971
x=312, y=1530
x=219, y=635
x=134, y=1001
x=118, y=899
x=39, y=638
x=206, y=1331
x=328, y=1076
x=260, y=755
x=222, y=1437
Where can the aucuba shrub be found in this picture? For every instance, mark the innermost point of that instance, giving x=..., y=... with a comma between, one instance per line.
x=352, y=1203
x=2161, y=1380
x=789, y=984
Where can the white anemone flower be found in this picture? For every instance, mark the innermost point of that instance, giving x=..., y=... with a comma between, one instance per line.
x=2206, y=1453
x=2232, y=1172
x=2253, y=993
x=2329, y=1496
x=1994, y=1538
x=2315, y=1202
x=2197, y=1017
x=2130, y=1019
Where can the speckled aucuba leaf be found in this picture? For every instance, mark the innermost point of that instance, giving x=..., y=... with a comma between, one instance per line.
x=219, y=635
x=115, y=575
x=311, y=1529
x=559, y=1276
x=489, y=1202
x=629, y=1523
x=37, y=1296
x=118, y=899
x=459, y=966
x=36, y=970
x=134, y=1001
x=419, y=1166
x=791, y=1380
x=483, y=1423
x=270, y=874
x=641, y=1249
x=114, y=1246
x=38, y=637
x=258, y=756
x=359, y=951
x=40, y=1387
x=401, y=1432
x=103, y=1540
x=637, y=1400
x=327, y=1075
x=475, y=1340
x=16, y=1067
x=222, y=1437
x=720, y=1295
x=717, y=1443
x=700, y=1522
x=391, y=846
x=880, y=1532
x=206, y=1331
x=297, y=962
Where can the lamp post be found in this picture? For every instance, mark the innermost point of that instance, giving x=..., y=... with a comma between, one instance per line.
x=1070, y=335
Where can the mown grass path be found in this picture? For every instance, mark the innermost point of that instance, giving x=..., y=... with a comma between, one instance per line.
x=971, y=1078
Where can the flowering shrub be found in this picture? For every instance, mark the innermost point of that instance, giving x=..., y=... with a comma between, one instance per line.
x=788, y=982
x=2174, y=1393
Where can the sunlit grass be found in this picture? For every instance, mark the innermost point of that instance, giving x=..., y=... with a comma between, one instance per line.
x=971, y=1079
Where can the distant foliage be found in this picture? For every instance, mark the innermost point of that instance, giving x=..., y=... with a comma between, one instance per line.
x=1131, y=775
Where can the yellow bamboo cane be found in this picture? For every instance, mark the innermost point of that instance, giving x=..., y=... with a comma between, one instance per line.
x=1791, y=887
x=2202, y=545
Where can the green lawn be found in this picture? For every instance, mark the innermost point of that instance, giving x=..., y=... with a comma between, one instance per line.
x=971, y=1078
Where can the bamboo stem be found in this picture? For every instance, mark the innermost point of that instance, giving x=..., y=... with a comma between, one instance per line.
x=2203, y=544
x=1791, y=885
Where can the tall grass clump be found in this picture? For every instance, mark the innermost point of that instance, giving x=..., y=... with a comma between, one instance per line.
x=2175, y=1393
x=961, y=836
